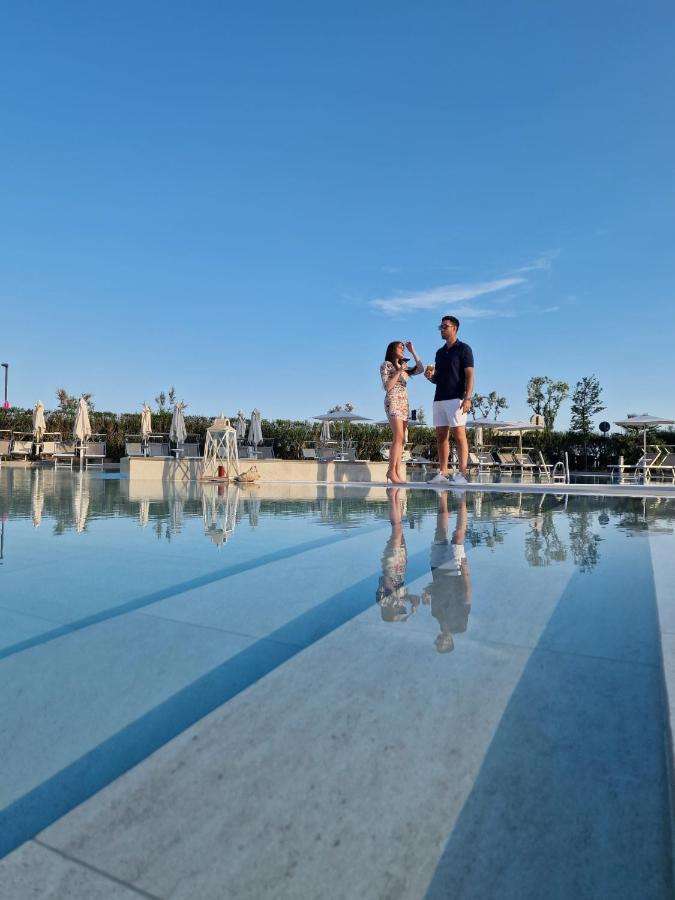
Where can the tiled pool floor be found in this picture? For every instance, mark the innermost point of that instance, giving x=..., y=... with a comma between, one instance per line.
x=309, y=741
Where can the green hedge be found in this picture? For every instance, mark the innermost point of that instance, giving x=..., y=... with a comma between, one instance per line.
x=288, y=436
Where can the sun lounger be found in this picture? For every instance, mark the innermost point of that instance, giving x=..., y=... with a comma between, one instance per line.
x=309, y=453
x=505, y=460
x=22, y=445
x=5, y=444
x=545, y=469
x=93, y=452
x=664, y=468
x=64, y=454
x=486, y=461
x=326, y=454
x=473, y=462
x=48, y=443
x=641, y=471
x=419, y=455
x=134, y=447
x=524, y=462
x=188, y=449
x=158, y=448
x=406, y=456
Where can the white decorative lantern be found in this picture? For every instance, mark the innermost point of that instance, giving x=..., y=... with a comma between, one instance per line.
x=221, y=459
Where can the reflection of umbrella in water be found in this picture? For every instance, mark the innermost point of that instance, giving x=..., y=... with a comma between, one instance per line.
x=176, y=508
x=255, y=436
x=178, y=432
x=39, y=424
x=81, y=504
x=644, y=423
x=241, y=426
x=519, y=428
x=341, y=416
x=37, y=498
x=252, y=504
x=143, y=513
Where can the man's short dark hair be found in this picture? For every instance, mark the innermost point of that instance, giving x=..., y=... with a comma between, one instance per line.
x=452, y=319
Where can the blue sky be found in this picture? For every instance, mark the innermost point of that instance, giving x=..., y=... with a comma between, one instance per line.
x=249, y=201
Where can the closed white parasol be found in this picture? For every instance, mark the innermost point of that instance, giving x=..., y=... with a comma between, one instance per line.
x=82, y=428
x=39, y=424
x=255, y=435
x=146, y=422
x=178, y=432
x=241, y=426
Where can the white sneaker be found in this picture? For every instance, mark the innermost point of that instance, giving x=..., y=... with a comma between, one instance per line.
x=439, y=479
x=459, y=479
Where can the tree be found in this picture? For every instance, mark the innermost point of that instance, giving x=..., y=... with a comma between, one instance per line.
x=160, y=400
x=489, y=403
x=421, y=415
x=585, y=404
x=68, y=402
x=544, y=397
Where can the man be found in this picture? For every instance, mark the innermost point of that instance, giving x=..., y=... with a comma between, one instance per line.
x=453, y=377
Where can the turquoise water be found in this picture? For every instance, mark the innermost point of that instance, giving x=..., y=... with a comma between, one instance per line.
x=513, y=636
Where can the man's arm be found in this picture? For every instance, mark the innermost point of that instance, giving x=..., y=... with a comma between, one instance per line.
x=468, y=391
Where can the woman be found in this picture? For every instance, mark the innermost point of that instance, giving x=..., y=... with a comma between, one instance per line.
x=395, y=376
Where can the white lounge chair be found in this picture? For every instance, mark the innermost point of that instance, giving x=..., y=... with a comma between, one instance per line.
x=5, y=444
x=64, y=454
x=641, y=471
x=505, y=461
x=158, y=446
x=188, y=449
x=134, y=446
x=47, y=445
x=93, y=452
x=664, y=468
x=22, y=445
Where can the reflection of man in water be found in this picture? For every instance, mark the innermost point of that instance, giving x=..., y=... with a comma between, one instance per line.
x=450, y=589
x=391, y=592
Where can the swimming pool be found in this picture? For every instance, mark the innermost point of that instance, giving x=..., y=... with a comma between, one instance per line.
x=321, y=691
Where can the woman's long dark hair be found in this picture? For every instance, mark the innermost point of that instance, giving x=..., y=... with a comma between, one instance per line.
x=389, y=356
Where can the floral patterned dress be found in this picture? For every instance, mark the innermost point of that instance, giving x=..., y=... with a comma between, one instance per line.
x=396, y=400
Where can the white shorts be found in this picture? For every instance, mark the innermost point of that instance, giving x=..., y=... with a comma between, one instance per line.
x=449, y=412
x=448, y=557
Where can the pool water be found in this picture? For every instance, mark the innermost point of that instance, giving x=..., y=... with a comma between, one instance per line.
x=373, y=693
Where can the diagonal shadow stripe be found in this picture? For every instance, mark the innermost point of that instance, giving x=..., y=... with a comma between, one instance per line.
x=570, y=799
x=176, y=589
x=74, y=784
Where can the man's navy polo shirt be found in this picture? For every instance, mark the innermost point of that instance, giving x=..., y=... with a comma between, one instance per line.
x=449, y=376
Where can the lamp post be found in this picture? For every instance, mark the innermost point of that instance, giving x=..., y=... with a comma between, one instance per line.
x=5, y=366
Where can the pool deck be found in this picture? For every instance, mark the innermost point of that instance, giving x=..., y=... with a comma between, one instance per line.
x=158, y=831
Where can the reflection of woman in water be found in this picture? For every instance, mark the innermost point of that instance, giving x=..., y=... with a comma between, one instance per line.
x=391, y=593
x=450, y=588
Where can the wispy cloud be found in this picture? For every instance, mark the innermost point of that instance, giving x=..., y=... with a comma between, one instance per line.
x=447, y=296
x=541, y=263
